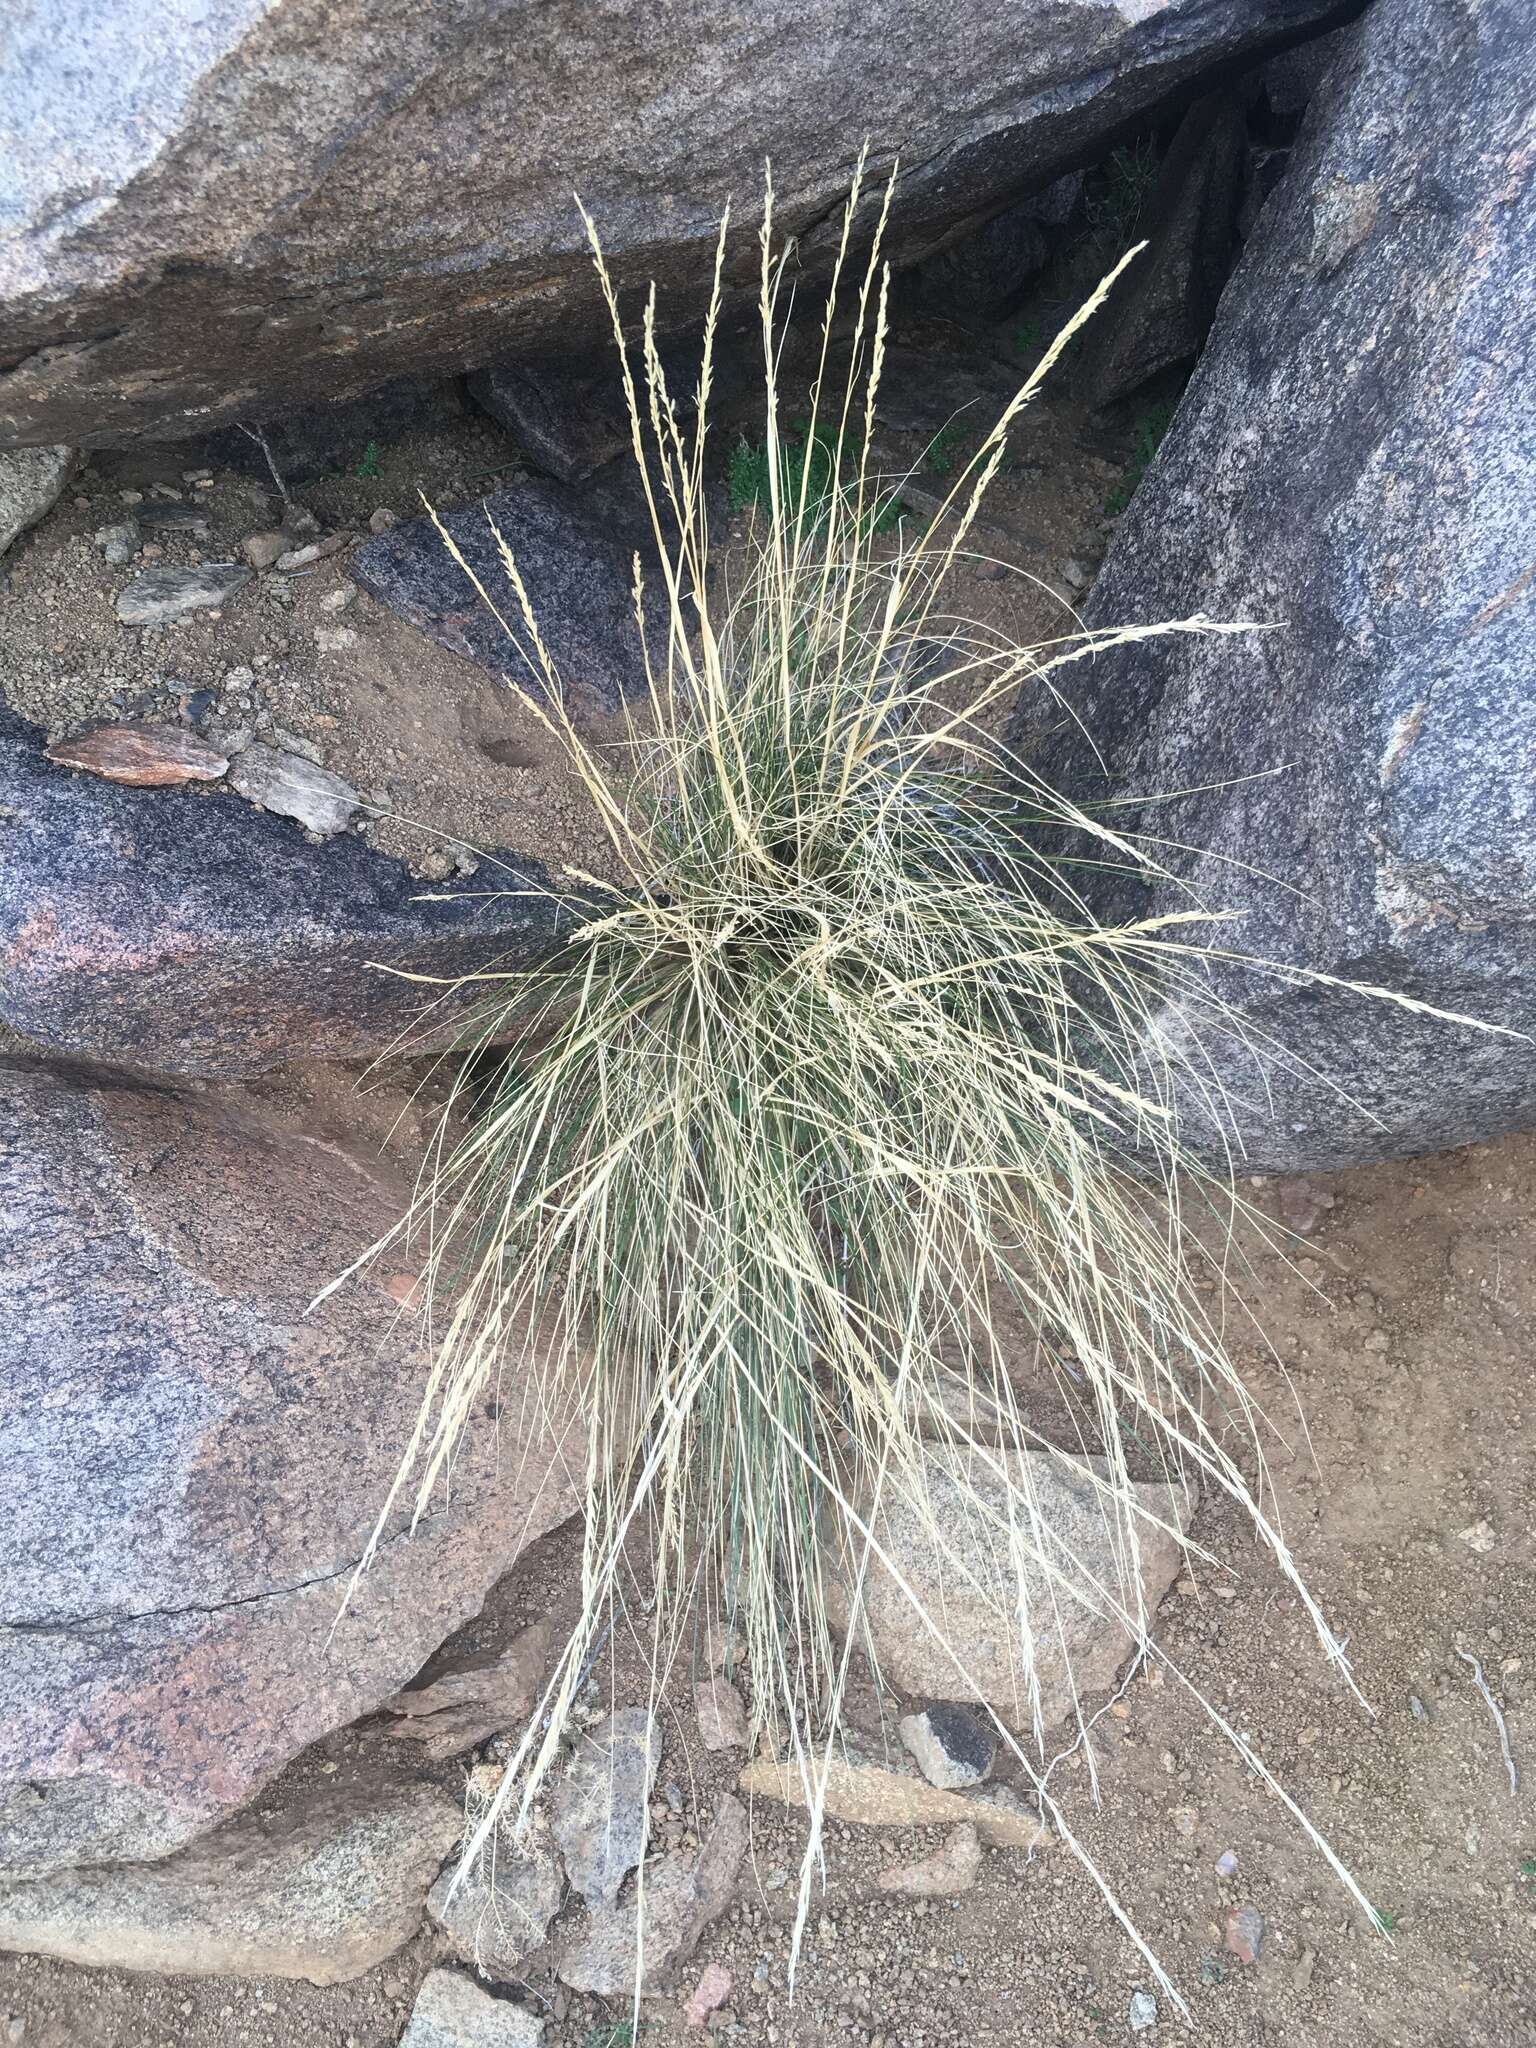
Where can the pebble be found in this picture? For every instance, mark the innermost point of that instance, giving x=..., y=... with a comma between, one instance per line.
x=175, y=518
x=949, y=1871
x=381, y=519
x=722, y=1717
x=951, y=1747
x=1301, y=1970
x=1479, y=1537
x=261, y=550
x=1226, y=1863
x=1143, y=2012
x=1244, y=1932
x=334, y=639
x=711, y=1991
x=118, y=544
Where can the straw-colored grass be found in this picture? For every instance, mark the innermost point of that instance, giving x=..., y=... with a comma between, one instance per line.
x=846, y=1069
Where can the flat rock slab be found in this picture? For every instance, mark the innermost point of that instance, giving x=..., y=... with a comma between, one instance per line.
x=160, y=595
x=575, y=547
x=294, y=788
x=323, y=1889
x=599, y=1806
x=261, y=232
x=1078, y=1644
x=500, y=1912
x=195, y=1463
x=950, y=1870
x=874, y=1796
x=196, y=935
x=1352, y=463
x=453, y=2012
x=144, y=756
x=681, y=1895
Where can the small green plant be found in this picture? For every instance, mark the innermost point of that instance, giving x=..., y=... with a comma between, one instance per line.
x=1528, y=1869
x=1116, y=194
x=369, y=465
x=610, y=2034
x=1151, y=426
x=1029, y=338
x=1383, y=1921
x=943, y=450
x=810, y=470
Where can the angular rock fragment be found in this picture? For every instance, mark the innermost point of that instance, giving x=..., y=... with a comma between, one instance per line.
x=144, y=756
x=161, y=595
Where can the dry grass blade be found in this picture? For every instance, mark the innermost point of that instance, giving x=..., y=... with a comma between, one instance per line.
x=847, y=1075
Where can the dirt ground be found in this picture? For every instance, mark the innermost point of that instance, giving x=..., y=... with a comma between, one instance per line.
x=1405, y=1322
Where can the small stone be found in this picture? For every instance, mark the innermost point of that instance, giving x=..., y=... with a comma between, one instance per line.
x=1478, y=1537
x=334, y=639
x=1302, y=1968
x=722, y=1717
x=175, y=518
x=15, y=2028
x=118, y=544
x=873, y=1796
x=711, y=1992
x=1226, y=1863
x=261, y=550
x=451, y=2011
x=1186, y=1819
x=144, y=756
x=300, y=558
x=953, y=1748
x=1143, y=2012
x=338, y=600
x=294, y=788
x=1303, y=1205
x=381, y=519
x=1244, y=1932
x=160, y=595
x=464, y=1703
x=1074, y=575
x=599, y=1807
x=949, y=1871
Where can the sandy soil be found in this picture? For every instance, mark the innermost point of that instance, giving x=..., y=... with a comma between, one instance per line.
x=1406, y=1326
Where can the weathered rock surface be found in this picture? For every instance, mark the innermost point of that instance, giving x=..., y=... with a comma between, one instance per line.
x=568, y=420
x=294, y=788
x=501, y=1911
x=323, y=1888
x=32, y=481
x=451, y=2011
x=889, y=1796
x=1161, y=311
x=196, y=935
x=1352, y=461
x=575, y=547
x=599, y=1806
x=682, y=1894
x=145, y=756
x=1077, y=1645
x=194, y=1464
x=288, y=205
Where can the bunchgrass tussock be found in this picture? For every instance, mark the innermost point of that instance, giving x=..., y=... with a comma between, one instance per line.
x=839, y=1114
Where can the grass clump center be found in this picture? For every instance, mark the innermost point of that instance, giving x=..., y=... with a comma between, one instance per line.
x=841, y=1087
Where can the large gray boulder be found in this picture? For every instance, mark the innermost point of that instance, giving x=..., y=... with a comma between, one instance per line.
x=1354, y=462
x=193, y=934
x=219, y=208
x=193, y=1464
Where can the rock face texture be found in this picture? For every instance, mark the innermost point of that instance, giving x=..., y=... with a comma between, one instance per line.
x=194, y=1464
x=282, y=204
x=1352, y=462
x=196, y=935
x=323, y=1888
x=31, y=483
